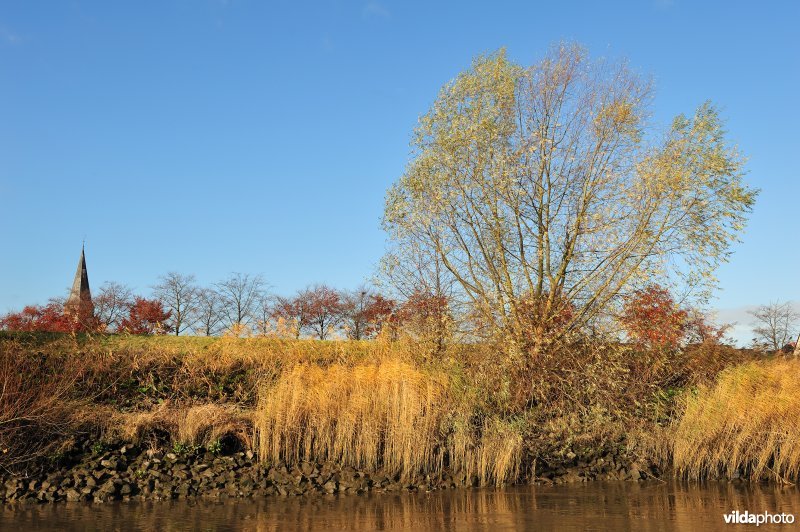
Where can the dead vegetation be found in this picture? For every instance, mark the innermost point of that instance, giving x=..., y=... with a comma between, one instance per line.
x=744, y=425
x=201, y=425
x=389, y=405
x=388, y=415
x=36, y=401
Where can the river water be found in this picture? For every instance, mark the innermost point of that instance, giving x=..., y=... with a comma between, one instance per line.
x=592, y=506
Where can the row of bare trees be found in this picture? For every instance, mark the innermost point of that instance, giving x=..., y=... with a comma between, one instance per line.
x=230, y=303
x=242, y=305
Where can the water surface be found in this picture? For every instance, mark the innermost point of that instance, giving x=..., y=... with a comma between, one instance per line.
x=593, y=506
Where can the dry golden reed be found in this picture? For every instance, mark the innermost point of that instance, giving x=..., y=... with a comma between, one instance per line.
x=494, y=457
x=749, y=421
x=368, y=416
x=387, y=415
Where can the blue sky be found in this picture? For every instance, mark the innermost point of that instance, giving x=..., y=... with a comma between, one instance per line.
x=216, y=136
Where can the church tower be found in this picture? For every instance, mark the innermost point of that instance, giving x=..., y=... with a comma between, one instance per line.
x=79, y=303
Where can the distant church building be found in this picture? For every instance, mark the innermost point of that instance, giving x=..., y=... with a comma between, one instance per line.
x=79, y=304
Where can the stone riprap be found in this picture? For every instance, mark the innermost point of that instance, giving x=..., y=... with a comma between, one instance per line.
x=126, y=472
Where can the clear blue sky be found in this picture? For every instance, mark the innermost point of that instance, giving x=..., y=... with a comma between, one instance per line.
x=216, y=136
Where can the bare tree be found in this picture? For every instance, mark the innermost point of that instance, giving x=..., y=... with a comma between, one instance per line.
x=239, y=295
x=263, y=311
x=547, y=184
x=775, y=325
x=209, y=312
x=112, y=303
x=417, y=273
x=411, y=268
x=178, y=293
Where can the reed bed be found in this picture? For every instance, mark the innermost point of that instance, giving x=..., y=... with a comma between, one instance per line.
x=494, y=457
x=386, y=415
x=369, y=416
x=747, y=423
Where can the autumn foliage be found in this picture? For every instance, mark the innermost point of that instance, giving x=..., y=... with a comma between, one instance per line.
x=324, y=307
x=316, y=310
x=290, y=315
x=364, y=314
x=46, y=318
x=146, y=316
x=37, y=318
x=652, y=319
x=320, y=310
x=425, y=317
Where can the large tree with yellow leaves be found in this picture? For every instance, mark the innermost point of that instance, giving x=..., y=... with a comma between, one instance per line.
x=546, y=194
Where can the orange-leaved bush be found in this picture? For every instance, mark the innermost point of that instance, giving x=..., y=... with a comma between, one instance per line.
x=48, y=318
x=652, y=319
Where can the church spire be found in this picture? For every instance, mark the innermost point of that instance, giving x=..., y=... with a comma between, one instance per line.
x=80, y=297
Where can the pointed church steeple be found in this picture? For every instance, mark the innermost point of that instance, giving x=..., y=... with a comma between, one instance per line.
x=80, y=297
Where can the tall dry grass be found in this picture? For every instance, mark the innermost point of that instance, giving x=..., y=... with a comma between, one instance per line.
x=492, y=455
x=379, y=415
x=37, y=397
x=387, y=415
x=749, y=421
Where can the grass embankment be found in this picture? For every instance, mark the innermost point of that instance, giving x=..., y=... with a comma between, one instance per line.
x=156, y=391
x=372, y=405
x=746, y=424
x=394, y=406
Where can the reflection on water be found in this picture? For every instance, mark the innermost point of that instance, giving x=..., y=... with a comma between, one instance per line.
x=594, y=506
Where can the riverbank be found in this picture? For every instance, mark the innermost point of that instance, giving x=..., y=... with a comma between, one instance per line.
x=132, y=418
x=124, y=471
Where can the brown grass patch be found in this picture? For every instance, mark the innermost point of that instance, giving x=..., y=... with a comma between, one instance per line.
x=206, y=424
x=199, y=425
